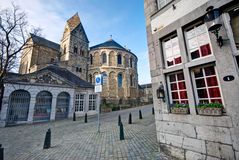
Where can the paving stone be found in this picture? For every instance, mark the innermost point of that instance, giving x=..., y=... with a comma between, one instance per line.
x=78, y=140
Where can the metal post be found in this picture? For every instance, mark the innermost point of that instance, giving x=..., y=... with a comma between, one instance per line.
x=98, y=103
x=1, y=152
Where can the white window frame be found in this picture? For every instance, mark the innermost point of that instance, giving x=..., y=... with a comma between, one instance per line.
x=164, y=51
x=169, y=87
x=82, y=102
x=92, y=102
x=77, y=102
x=206, y=86
x=193, y=27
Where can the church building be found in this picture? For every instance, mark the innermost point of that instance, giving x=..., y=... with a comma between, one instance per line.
x=57, y=80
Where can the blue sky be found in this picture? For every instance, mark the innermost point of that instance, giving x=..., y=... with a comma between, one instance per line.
x=123, y=19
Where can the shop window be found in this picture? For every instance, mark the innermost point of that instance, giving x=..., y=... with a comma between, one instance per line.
x=172, y=52
x=206, y=85
x=177, y=88
x=198, y=42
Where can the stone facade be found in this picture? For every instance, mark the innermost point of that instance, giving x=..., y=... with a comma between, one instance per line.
x=147, y=93
x=175, y=23
x=119, y=68
x=51, y=93
x=72, y=53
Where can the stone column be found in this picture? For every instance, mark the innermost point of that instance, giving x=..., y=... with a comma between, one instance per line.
x=53, y=108
x=86, y=106
x=71, y=105
x=31, y=109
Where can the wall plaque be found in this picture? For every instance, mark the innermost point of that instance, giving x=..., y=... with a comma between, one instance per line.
x=228, y=78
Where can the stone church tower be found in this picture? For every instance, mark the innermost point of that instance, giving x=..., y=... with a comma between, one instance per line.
x=74, y=47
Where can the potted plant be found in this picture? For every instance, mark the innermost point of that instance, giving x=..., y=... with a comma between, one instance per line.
x=212, y=109
x=180, y=108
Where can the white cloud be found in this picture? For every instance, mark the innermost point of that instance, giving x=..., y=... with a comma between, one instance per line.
x=38, y=15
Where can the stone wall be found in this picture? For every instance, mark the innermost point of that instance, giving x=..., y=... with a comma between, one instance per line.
x=111, y=91
x=193, y=136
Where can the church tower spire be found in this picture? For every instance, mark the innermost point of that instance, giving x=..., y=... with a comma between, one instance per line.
x=74, y=47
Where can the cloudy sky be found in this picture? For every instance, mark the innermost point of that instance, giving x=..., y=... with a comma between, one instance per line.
x=123, y=19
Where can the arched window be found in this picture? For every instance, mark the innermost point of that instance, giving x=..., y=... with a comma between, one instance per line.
x=42, y=110
x=91, y=59
x=90, y=78
x=131, y=62
x=62, y=106
x=75, y=49
x=119, y=59
x=104, y=58
x=120, y=80
x=64, y=49
x=131, y=80
x=18, y=107
x=104, y=74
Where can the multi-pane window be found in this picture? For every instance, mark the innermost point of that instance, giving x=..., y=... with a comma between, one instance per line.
x=82, y=101
x=92, y=102
x=162, y=3
x=77, y=106
x=120, y=80
x=104, y=58
x=198, y=42
x=172, y=52
x=178, y=92
x=206, y=85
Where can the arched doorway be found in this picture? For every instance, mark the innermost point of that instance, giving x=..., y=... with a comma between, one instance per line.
x=18, y=107
x=42, y=110
x=62, y=105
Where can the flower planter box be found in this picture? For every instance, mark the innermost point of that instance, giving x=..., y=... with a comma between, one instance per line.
x=180, y=110
x=210, y=111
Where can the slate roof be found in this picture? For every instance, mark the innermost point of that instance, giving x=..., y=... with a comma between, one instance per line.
x=61, y=72
x=66, y=74
x=73, y=22
x=44, y=42
x=111, y=44
x=143, y=86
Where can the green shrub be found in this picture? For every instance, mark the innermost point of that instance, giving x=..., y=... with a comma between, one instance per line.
x=179, y=105
x=210, y=105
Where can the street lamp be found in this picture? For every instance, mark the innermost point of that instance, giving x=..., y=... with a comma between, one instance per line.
x=160, y=92
x=214, y=23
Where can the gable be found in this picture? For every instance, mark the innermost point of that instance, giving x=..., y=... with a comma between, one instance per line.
x=80, y=33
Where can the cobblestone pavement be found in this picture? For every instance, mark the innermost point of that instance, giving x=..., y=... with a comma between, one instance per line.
x=80, y=141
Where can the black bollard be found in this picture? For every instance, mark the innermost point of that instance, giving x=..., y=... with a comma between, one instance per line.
x=130, y=118
x=153, y=111
x=1, y=152
x=121, y=131
x=74, y=116
x=119, y=120
x=47, y=142
x=85, y=117
x=140, y=115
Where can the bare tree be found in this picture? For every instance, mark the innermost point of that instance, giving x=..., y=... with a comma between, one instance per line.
x=14, y=38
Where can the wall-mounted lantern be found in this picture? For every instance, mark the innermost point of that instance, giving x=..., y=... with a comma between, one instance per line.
x=160, y=92
x=214, y=22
